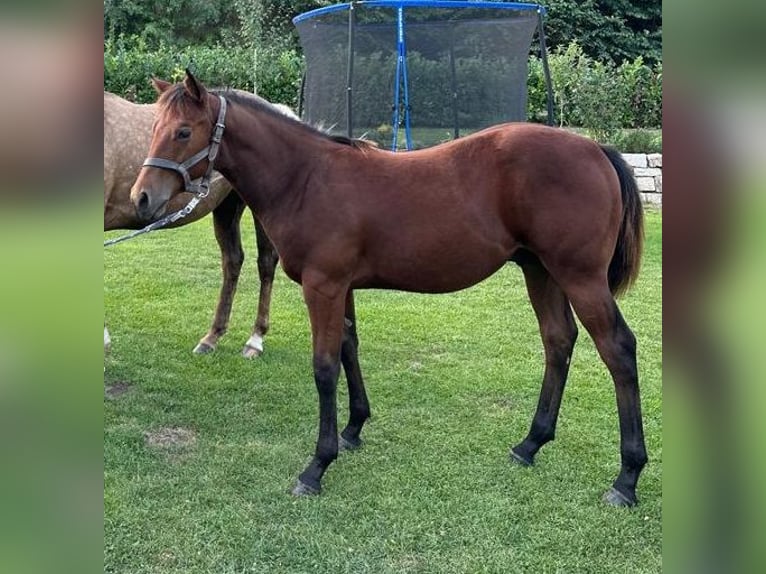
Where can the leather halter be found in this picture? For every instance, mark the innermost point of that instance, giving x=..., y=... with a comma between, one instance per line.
x=210, y=153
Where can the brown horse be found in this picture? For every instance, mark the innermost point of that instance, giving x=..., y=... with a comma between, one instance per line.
x=347, y=216
x=127, y=135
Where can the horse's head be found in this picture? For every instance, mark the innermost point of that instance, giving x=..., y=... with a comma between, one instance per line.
x=179, y=151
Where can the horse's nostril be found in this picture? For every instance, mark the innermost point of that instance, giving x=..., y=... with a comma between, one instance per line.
x=143, y=201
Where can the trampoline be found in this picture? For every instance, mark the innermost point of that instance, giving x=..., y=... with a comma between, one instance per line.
x=414, y=73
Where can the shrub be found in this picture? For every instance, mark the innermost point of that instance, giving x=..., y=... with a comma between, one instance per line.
x=601, y=98
x=638, y=141
x=129, y=67
x=537, y=92
x=597, y=96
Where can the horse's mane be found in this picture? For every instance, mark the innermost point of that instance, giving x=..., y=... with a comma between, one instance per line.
x=177, y=97
x=256, y=102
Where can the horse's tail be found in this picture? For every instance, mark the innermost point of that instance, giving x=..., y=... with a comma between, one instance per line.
x=626, y=261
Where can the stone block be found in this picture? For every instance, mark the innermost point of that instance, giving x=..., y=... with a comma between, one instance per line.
x=654, y=159
x=645, y=183
x=651, y=198
x=658, y=184
x=647, y=172
x=635, y=159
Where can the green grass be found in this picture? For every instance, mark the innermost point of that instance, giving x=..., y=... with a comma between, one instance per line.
x=644, y=140
x=453, y=382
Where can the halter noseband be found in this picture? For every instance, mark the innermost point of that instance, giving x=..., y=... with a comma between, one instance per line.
x=210, y=152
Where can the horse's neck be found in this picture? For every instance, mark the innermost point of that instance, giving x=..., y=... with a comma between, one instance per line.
x=267, y=159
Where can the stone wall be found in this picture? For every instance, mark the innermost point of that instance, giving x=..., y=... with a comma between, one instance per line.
x=647, y=168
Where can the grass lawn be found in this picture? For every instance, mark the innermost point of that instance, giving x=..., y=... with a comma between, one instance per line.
x=453, y=382
x=626, y=140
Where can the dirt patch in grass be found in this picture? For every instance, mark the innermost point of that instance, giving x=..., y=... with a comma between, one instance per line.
x=409, y=563
x=116, y=390
x=173, y=439
x=504, y=403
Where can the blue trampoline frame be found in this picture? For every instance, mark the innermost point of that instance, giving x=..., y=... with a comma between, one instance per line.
x=420, y=4
x=401, y=80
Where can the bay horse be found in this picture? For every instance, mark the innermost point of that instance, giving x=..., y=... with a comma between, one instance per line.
x=345, y=215
x=127, y=135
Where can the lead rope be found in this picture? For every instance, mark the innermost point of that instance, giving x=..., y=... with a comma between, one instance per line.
x=168, y=219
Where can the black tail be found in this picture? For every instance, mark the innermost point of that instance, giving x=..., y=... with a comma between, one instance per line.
x=626, y=261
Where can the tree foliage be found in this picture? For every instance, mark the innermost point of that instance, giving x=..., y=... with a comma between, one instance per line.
x=605, y=57
x=200, y=22
x=179, y=22
x=607, y=30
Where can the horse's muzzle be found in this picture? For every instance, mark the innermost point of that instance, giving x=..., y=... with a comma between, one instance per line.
x=147, y=209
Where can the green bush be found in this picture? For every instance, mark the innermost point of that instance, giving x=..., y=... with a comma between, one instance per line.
x=600, y=97
x=129, y=67
x=638, y=141
x=537, y=92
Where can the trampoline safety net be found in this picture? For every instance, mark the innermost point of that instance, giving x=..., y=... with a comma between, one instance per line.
x=432, y=72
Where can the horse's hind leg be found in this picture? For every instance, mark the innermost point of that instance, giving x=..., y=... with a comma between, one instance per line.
x=559, y=333
x=226, y=218
x=267, y=264
x=616, y=344
x=358, y=405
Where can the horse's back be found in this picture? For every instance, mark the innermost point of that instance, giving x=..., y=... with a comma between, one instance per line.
x=127, y=129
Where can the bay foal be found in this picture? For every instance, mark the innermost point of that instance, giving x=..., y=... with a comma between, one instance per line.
x=344, y=215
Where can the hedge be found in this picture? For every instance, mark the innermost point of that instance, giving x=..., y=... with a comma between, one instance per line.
x=601, y=98
x=129, y=67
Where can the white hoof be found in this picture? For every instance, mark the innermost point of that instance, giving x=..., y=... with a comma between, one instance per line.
x=253, y=347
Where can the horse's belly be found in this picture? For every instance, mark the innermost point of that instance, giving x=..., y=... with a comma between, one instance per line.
x=437, y=269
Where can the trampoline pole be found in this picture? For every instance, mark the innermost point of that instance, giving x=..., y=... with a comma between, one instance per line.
x=546, y=69
x=454, y=83
x=405, y=79
x=397, y=83
x=302, y=95
x=395, y=120
x=350, y=72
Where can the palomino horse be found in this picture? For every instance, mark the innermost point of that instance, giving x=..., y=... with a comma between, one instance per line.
x=127, y=135
x=344, y=215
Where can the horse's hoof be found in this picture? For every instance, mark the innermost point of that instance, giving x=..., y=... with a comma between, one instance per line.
x=614, y=497
x=303, y=489
x=253, y=347
x=518, y=459
x=251, y=352
x=346, y=444
x=203, y=349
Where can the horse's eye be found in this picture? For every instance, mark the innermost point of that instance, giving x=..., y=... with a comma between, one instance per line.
x=183, y=134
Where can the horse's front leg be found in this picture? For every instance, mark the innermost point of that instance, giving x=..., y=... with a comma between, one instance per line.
x=325, y=301
x=226, y=218
x=267, y=264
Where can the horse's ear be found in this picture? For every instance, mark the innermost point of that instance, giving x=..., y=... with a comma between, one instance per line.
x=194, y=87
x=160, y=86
